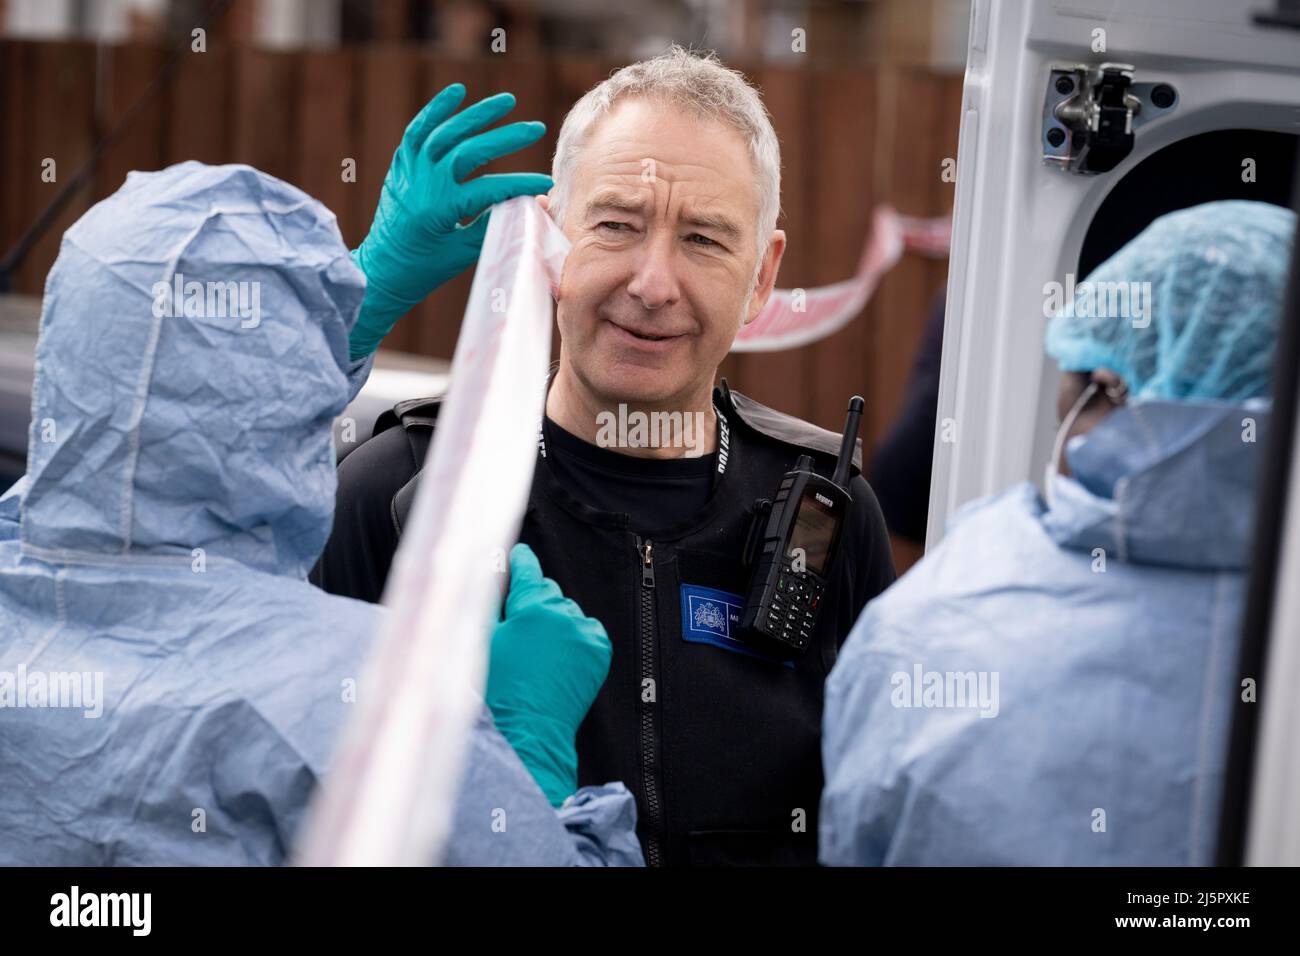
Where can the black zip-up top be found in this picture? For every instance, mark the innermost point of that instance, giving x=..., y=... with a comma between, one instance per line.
x=719, y=743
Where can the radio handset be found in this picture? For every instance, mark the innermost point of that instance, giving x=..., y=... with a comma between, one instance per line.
x=798, y=547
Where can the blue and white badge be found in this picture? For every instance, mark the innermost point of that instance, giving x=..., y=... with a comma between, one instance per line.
x=710, y=616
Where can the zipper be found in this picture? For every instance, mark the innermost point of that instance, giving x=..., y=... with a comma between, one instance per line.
x=649, y=766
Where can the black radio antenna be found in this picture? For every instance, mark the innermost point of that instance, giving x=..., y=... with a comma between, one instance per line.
x=849, y=443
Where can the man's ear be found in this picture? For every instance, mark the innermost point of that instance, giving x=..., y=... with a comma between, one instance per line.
x=767, y=275
x=545, y=201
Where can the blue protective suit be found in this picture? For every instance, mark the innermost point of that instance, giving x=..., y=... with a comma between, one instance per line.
x=1086, y=656
x=153, y=560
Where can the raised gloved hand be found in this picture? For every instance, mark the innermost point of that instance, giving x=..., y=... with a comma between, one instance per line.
x=416, y=243
x=547, y=663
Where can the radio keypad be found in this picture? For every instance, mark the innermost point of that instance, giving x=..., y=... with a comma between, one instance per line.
x=792, y=613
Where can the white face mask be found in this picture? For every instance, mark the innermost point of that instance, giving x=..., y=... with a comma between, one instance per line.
x=1050, y=473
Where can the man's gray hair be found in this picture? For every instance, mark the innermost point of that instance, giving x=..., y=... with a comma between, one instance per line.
x=695, y=81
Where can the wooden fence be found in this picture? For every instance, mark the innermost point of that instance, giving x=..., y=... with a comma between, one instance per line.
x=850, y=137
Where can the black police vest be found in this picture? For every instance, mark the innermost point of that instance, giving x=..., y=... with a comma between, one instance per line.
x=719, y=744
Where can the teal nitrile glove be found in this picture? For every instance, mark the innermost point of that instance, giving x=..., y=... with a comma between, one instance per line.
x=416, y=242
x=547, y=663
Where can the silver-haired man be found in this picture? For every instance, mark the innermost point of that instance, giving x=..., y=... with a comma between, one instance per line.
x=667, y=183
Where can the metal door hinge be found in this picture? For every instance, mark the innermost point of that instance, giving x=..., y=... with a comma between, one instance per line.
x=1090, y=114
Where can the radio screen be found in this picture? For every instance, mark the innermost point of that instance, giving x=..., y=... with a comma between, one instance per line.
x=814, y=533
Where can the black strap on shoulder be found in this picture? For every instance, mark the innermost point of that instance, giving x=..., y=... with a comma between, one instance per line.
x=412, y=412
x=784, y=428
x=417, y=417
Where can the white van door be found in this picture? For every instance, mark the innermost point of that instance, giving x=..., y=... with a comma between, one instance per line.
x=1066, y=101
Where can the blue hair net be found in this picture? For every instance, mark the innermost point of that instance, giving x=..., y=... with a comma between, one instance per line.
x=1211, y=279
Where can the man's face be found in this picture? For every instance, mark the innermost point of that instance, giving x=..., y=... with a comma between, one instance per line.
x=662, y=211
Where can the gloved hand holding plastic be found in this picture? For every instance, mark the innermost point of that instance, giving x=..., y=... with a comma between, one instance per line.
x=548, y=662
x=416, y=242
